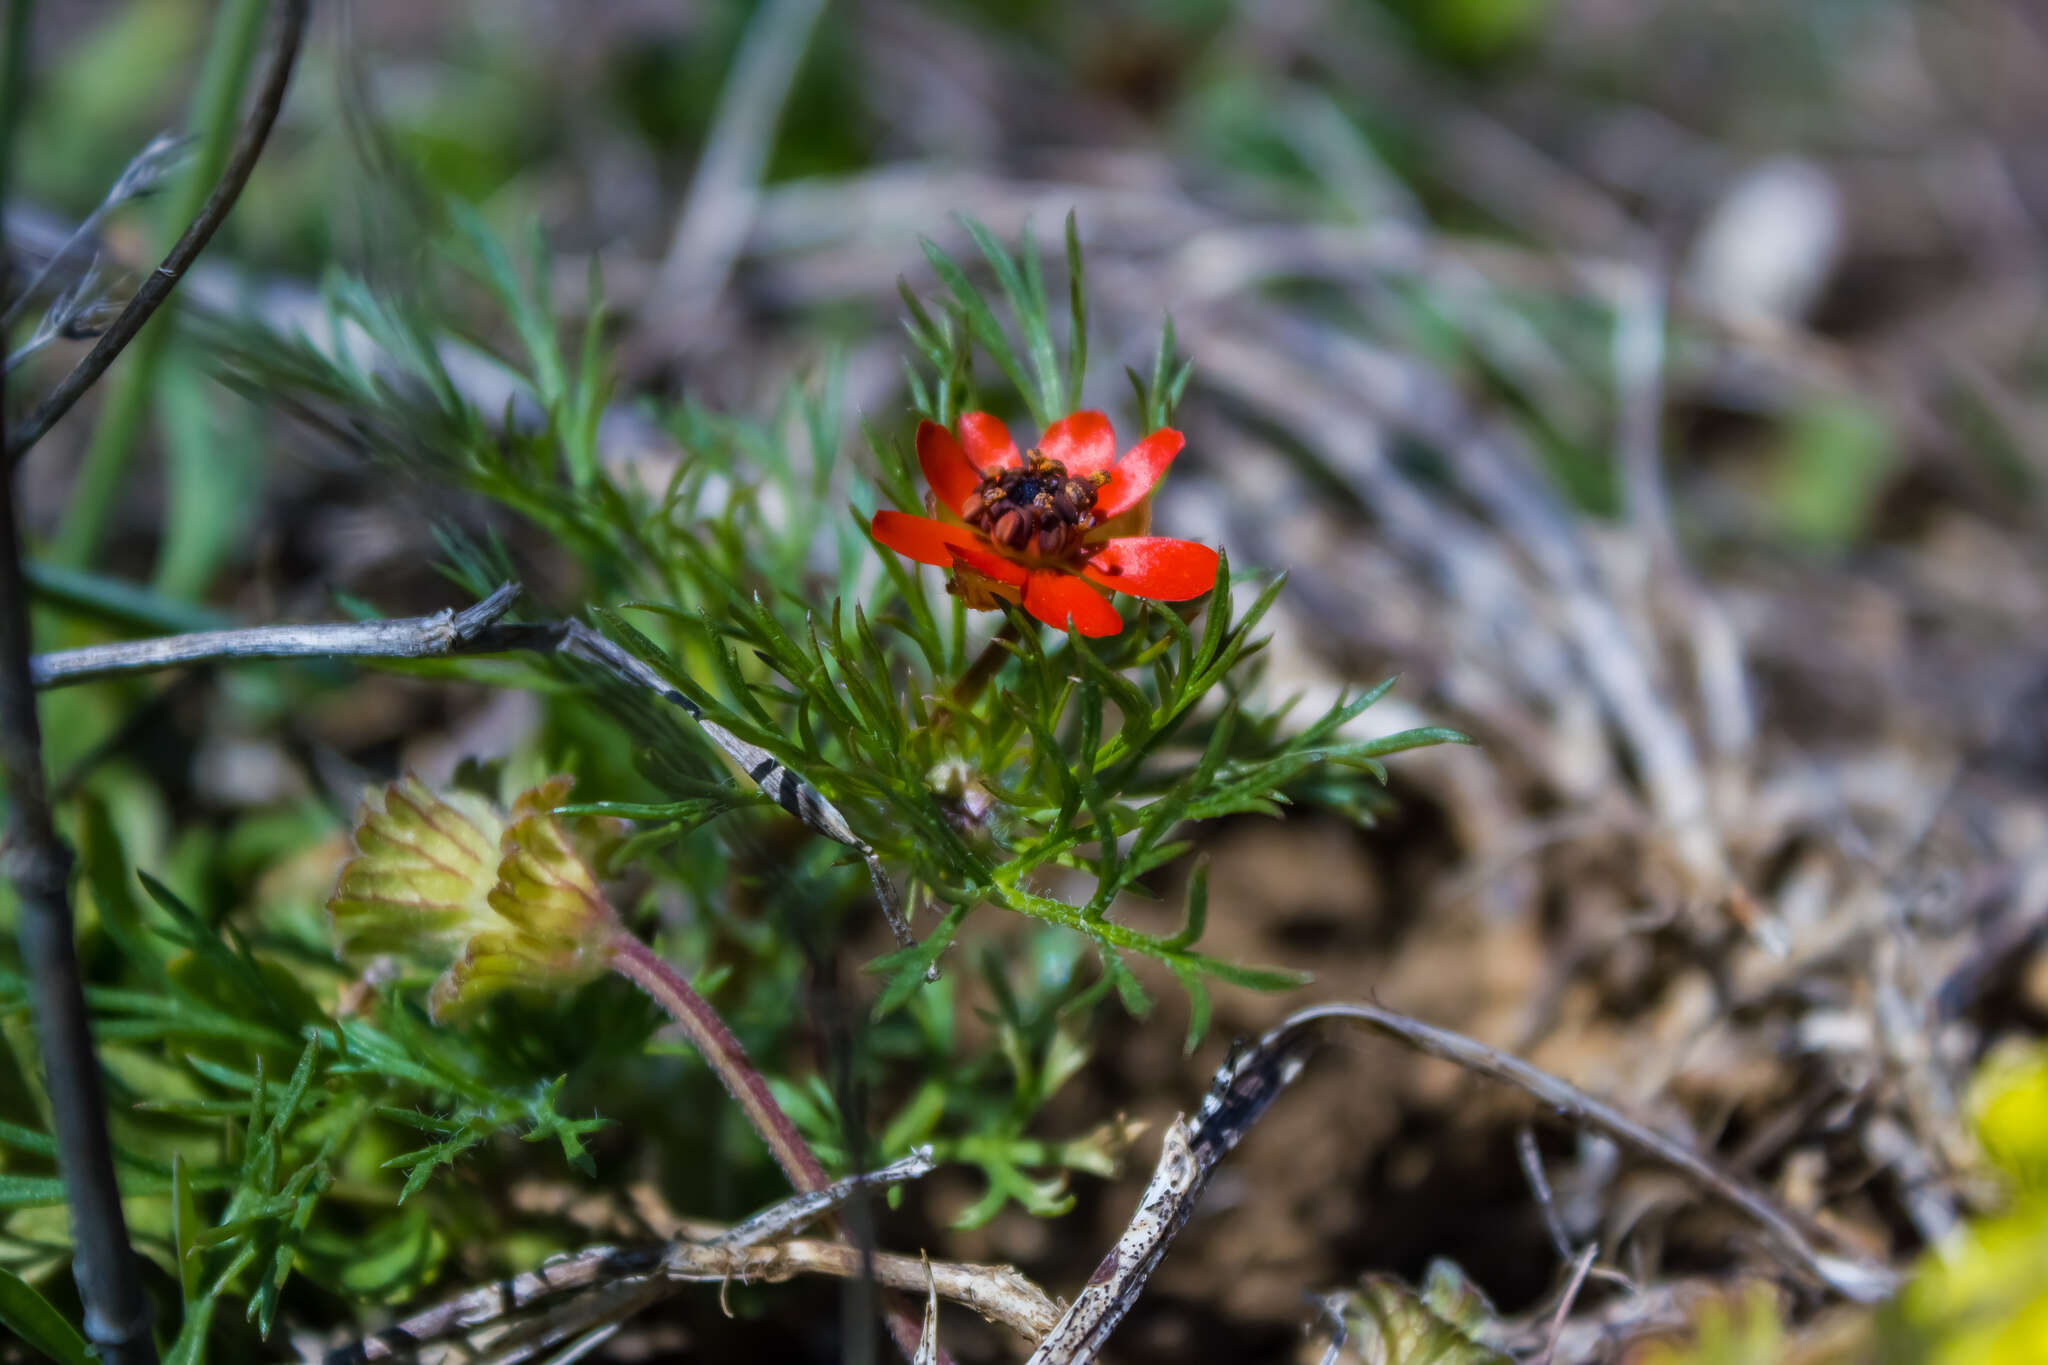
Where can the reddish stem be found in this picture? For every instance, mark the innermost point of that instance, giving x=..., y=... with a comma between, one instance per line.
x=637, y=962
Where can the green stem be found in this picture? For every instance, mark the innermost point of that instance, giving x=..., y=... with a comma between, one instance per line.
x=216, y=104
x=638, y=963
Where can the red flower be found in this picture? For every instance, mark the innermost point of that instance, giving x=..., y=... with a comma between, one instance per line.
x=1050, y=529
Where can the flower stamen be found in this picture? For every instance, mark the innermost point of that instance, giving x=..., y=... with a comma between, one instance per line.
x=1038, y=508
x=1052, y=533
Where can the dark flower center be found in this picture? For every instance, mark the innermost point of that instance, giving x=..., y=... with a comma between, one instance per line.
x=1037, y=509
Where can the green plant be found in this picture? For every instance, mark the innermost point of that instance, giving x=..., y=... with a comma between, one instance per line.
x=281, y=1119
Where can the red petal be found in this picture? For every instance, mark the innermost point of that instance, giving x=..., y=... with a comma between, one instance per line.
x=1060, y=599
x=988, y=442
x=945, y=465
x=920, y=538
x=1132, y=477
x=1158, y=567
x=988, y=562
x=1082, y=441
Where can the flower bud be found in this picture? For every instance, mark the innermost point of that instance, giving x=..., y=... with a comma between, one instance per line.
x=510, y=896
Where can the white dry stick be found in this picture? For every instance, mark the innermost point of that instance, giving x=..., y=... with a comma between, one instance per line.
x=928, y=1340
x=600, y=1286
x=604, y=1284
x=1639, y=297
x=587, y=1270
x=602, y=1308
x=1580, y=1268
x=1114, y=1286
x=792, y=1214
x=1247, y=1083
x=584, y=1345
x=1000, y=1293
x=415, y=637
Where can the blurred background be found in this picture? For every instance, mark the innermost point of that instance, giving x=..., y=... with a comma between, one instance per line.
x=1659, y=388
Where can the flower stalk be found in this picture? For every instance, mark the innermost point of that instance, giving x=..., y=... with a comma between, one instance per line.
x=512, y=897
x=722, y=1052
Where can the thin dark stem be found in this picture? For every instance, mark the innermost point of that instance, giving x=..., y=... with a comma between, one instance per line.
x=36, y=862
x=284, y=51
x=986, y=665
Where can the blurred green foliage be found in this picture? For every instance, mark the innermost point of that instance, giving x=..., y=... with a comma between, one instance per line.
x=107, y=95
x=1472, y=32
x=1829, y=467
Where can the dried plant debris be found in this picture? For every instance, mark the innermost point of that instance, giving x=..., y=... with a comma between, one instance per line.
x=1450, y=1320
x=621, y=1281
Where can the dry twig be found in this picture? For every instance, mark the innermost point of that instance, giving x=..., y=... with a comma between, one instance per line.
x=612, y=1283
x=477, y=629
x=415, y=637
x=1852, y=1277
x=284, y=51
x=999, y=1293
x=1245, y=1086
